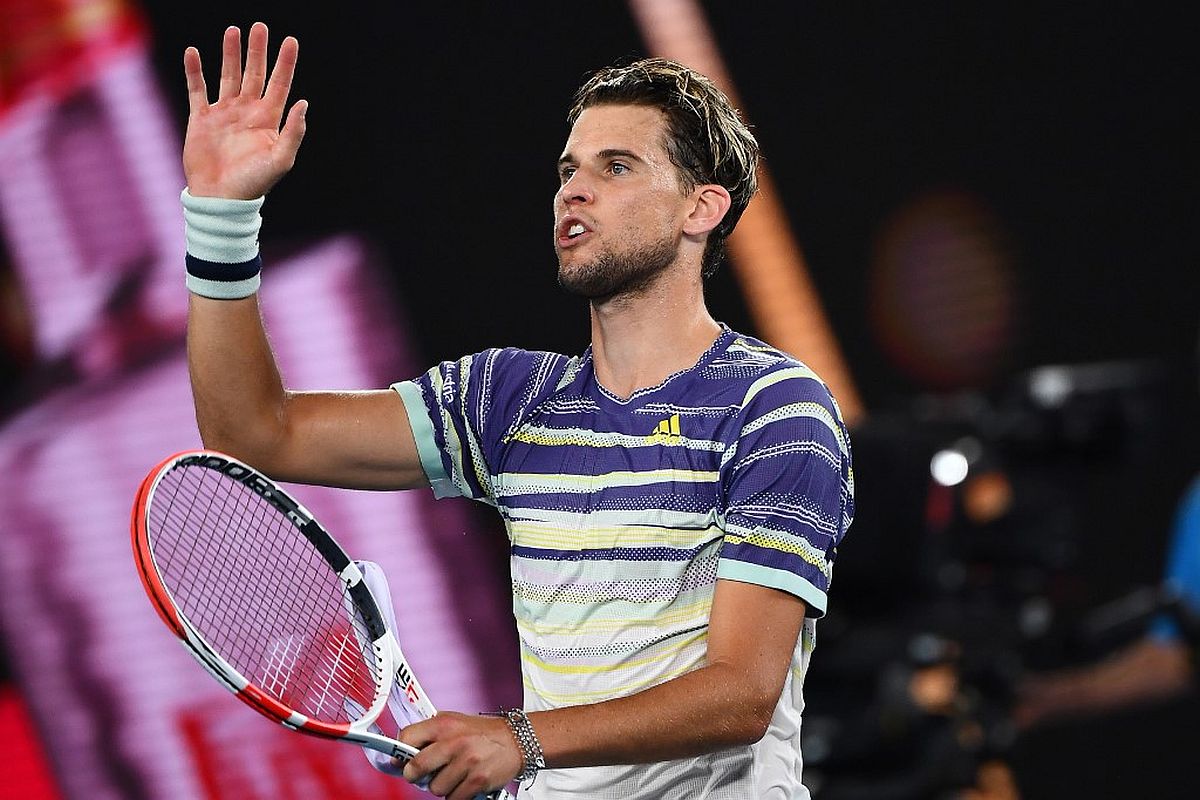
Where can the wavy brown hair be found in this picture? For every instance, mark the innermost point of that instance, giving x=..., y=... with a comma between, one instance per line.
x=707, y=140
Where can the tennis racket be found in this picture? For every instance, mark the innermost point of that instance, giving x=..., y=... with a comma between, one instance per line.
x=269, y=603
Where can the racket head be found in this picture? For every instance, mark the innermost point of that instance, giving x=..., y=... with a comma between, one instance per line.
x=263, y=597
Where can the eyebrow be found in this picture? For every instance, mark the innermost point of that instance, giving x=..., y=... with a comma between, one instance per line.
x=612, y=152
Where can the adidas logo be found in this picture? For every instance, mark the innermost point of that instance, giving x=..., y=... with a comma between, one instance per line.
x=666, y=432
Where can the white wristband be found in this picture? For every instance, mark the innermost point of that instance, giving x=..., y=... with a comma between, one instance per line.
x=222, y=246
x=221, y=230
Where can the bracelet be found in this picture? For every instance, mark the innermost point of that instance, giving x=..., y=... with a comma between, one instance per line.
x=532, y=757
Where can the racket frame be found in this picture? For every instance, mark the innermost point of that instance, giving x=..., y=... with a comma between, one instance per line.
x=394, y=668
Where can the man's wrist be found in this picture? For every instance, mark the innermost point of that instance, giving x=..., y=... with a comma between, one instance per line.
x=222, y=245
x=532, y=758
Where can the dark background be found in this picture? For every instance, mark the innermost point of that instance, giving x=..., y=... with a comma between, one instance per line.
x=434, y=129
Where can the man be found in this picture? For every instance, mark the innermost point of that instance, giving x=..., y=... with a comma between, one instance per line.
x=1158, y=666
x=674, y=497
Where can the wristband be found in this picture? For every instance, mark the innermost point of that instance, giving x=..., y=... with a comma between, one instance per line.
x=532, y=758
x=222, y=246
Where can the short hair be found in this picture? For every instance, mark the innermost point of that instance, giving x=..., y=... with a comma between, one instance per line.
x=707, y=140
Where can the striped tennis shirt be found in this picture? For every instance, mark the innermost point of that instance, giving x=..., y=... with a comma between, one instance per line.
x=623, y=513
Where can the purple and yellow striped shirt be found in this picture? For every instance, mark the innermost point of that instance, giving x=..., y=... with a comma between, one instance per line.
x=623, y=513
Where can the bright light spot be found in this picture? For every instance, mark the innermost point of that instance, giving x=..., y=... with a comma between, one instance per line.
x=949, y=467
x=1050, y=386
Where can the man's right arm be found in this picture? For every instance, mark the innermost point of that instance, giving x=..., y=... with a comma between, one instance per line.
x=235, y=151
x=353, y=439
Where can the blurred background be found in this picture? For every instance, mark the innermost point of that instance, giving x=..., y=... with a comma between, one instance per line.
x=979, y=225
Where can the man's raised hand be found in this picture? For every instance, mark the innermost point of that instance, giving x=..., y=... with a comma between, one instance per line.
x=234, y=147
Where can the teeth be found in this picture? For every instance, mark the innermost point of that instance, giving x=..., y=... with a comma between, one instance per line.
x=575, y=230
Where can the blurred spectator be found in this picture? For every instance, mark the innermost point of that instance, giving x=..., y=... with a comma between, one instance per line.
x=1159, y=665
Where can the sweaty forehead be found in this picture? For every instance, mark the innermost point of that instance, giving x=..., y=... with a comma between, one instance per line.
x=638, y=129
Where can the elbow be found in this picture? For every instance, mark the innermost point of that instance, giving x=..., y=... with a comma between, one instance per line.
x=750, y=708
x=222, y=442
x=211, y=435
x=750, y=719
x=216, y=434
x=256, y=444
x=757, y=721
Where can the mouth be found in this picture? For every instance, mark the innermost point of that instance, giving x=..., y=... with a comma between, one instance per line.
x=571, y=231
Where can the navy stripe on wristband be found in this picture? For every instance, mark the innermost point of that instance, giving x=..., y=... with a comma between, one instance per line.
x=223, y=281
x=214, y=271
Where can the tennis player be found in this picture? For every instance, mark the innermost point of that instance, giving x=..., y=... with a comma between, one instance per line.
x=674, y=496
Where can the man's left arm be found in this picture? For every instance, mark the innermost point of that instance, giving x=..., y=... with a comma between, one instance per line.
x=727, y=702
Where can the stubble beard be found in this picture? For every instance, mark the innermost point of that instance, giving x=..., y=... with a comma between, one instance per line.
x=608, y=275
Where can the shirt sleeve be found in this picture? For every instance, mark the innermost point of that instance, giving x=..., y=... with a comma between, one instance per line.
x=462, y=411
x=789, y=488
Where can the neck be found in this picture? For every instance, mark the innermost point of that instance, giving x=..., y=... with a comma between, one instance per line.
x=638, y=341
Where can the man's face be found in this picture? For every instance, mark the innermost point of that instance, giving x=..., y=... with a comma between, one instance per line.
x=619, y=214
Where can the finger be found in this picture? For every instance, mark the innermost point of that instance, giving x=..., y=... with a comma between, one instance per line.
x=288, y=144
x=281, y=76
x=256, y=61
x=231, y=63
x=196, y=90
x=425, y=763
x=447, y=782
x=419, y=734
x=469, y=788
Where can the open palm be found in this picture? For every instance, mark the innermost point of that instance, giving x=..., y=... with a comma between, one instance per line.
x=234, y=147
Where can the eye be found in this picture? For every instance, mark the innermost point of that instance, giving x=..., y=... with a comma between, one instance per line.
x=617, y=168
x=565, y=172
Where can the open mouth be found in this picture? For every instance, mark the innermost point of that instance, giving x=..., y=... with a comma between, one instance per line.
x=571, y=231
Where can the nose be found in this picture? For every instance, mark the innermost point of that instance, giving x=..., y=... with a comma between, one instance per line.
x=575, y=190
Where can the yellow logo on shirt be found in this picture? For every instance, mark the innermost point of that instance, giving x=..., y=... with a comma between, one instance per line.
x=666, y=432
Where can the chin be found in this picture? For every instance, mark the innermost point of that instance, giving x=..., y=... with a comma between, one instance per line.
x=606, y=274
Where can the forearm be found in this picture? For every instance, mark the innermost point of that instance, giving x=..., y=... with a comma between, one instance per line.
x=237, y=390
x=243, y=409
x=714, y=707
x=727, y=702
x=234, y=152
x=236, y=387
x=700, y=712
x=1147, y=670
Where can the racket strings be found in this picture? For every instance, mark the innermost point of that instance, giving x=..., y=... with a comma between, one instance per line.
x=260, y=594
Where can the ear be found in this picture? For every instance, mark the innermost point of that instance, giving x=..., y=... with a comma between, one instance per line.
x=711, y=203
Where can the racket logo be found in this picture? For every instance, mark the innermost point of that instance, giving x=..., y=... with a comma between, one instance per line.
x=251, y=480
x=408, y=682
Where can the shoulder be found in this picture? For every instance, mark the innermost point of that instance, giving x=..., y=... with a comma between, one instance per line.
x=504, y=366
x=766, y=376
x=530, y=370
x=500, y=377
x=505, y=384
x=782, y=405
